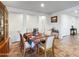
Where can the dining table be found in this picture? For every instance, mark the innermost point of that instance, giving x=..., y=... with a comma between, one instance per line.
x=36, y=39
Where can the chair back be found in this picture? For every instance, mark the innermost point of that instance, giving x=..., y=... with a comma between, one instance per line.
x=48, y=33
x=24, y=35
x=49, y=42
x=21, y=41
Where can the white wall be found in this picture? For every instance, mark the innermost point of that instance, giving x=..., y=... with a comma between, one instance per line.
x=77, y=24
x=65, y=21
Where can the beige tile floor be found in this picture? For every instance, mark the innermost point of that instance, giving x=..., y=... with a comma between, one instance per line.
x=66, y=47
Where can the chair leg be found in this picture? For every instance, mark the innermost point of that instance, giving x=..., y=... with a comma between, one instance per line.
x=45, y=53
x=53, y=52
x=38, y=51
x=24, y=52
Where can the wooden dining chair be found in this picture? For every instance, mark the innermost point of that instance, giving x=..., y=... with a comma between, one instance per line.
x=48, y=45
x=25, y=46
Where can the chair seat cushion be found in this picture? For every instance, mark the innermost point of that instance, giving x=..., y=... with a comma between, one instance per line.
x=26, y=45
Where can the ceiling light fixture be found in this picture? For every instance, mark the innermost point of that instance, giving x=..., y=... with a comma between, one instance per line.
x=42, y=4
x=76, y=11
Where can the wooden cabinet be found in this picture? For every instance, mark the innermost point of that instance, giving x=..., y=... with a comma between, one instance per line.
x=4, y=41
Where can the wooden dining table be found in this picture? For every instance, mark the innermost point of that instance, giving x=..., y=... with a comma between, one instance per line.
x=36, y=39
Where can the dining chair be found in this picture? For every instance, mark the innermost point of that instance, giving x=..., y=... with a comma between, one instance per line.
x=48, y=33
x=25, y=46
x=48, y=45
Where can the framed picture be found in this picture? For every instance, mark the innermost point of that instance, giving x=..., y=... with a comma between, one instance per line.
x=54, y=19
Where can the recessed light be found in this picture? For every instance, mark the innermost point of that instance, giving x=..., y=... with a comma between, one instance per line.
x=42, y=4
x=76, y=11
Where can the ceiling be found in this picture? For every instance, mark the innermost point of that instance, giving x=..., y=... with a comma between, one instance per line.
x=50, y=6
